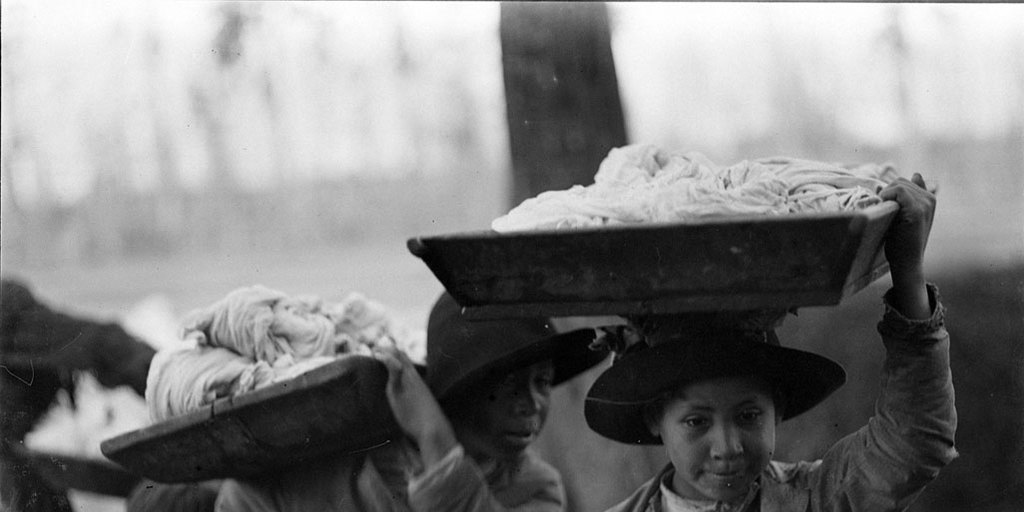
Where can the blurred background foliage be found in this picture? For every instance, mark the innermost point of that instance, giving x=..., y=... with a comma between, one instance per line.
x=134, y=130
x=164, y=153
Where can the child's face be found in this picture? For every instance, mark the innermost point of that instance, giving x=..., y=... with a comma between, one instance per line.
x=720, y=435
x=507, y=415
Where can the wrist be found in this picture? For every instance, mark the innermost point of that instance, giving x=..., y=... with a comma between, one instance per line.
x=907, y=278
x=910, y=293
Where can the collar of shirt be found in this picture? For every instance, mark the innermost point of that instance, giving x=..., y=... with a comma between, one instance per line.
x=672, y=502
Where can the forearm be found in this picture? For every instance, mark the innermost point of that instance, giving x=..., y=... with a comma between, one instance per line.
x=909, y=294
x=905, y=242
x=435, y=442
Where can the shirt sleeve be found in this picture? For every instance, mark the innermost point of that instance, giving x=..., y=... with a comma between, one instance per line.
x=238, y=496
x=457, y=484
x=887, y=463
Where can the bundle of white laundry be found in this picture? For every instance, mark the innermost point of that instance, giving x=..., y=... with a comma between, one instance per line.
x=643, y=183
x=256, y=336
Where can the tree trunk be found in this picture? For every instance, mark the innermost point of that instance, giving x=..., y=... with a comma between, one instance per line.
x=564, y=115
x=561, y=94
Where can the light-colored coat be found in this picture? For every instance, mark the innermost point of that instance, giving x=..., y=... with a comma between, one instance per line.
x=887, y=463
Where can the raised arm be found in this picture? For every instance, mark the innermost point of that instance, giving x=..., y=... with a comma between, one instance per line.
x=887, y=463
x=905, y=244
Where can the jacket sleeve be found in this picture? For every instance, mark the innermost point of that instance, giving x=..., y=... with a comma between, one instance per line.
x=457, y=484
x=887, y=463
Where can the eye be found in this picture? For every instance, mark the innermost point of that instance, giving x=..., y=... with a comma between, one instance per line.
x=696, y=422
x=751, y=416
x=544, y=381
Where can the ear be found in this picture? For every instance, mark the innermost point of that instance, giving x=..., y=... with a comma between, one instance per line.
x=778, y=403
x=652, y=419
x=654, y=428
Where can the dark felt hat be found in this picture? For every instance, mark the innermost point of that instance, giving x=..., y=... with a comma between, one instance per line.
x=461, y=353
x=614, y=405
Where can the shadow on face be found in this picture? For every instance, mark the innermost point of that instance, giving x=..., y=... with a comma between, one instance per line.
x=499, y=417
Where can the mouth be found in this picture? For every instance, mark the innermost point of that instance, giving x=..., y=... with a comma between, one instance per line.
x=726, y=476
x=730, y=474
x=523, y=437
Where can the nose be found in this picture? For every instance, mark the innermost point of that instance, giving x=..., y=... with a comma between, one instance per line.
x=726, y=442
x=528, y=400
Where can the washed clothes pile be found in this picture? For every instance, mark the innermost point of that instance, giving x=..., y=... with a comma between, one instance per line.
x=256, y=336
x=643, y=183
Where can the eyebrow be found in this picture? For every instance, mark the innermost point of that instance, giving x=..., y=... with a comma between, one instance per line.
x=742, y=403
x=691, y=408
x=749, y=401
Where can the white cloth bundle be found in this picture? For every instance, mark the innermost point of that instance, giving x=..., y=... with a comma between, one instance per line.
x=256, y=336
x=264, y=325
x=643, y=183
x=183, y=380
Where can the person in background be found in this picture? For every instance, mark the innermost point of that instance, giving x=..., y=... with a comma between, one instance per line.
x=40, y=348
x=714, y=394
x=469, y=426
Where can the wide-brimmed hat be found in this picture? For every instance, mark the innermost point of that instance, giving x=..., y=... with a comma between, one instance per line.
x=615, y=403
x=461, y=353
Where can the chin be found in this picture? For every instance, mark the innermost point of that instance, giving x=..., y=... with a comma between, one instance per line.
x=727, y=494
x=515, y=447
x=511, y=452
